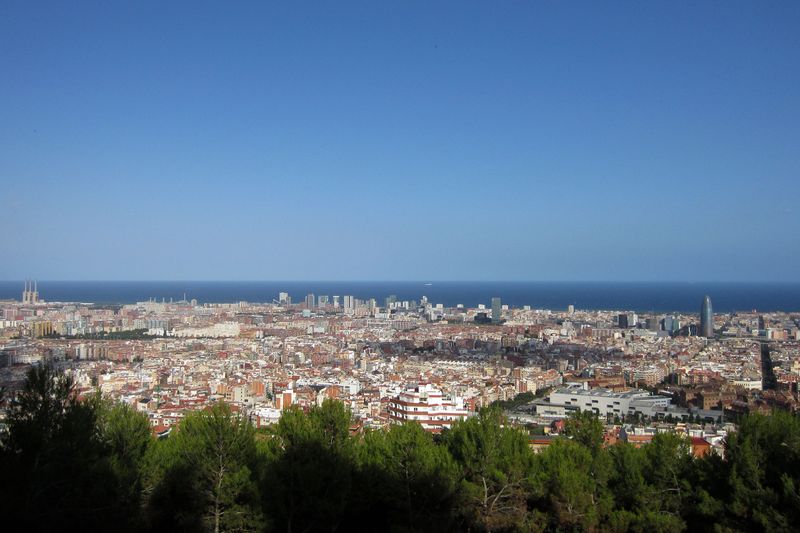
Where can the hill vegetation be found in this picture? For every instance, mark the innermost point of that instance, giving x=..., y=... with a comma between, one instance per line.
x=91, y=465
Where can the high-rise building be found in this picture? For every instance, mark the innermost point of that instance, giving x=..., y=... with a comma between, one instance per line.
x=336, y=301
x=496, y=310
x=283, y=298
x=310, y=301
x=671, y=324
x=570, y=309
x=706, y=318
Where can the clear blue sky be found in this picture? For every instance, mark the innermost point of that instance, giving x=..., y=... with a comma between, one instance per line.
x=400, y=140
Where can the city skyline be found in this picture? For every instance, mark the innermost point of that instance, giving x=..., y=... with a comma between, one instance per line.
x=399, y=266
x=360, y=141
x=632, y=296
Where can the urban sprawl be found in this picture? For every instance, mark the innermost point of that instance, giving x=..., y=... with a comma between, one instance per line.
x=395, y=361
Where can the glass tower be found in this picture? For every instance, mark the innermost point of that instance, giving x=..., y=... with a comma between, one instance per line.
x=496, y=310
x=706, y=318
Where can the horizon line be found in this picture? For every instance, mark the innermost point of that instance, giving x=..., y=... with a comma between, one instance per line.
x=422, y=281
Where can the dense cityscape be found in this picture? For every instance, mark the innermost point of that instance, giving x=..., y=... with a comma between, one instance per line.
x=167, y=358
x=321, y=267
x=543, y=412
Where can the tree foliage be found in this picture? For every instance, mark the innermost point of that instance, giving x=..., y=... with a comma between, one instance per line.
x=66, y=461
x=405, y=480
x=495, y=464
x=92, y=465
x=309, y=470
x=214, y=454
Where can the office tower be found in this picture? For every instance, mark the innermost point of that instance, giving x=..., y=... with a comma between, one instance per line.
x=652, y=324
x=570, y=309
x=349, y=302
x=336, y=302
x=706, y=318
x=496, y=310
x=671, y=324
x=628, y=320
x=310, y=301
x=389, y=301
x=283, y=298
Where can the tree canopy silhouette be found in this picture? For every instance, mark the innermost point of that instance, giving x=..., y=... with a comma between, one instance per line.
x=93, y=465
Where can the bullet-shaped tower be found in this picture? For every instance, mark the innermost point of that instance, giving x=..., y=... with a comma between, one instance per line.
x=706, y=318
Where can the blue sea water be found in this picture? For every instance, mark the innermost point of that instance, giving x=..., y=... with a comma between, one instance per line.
x=635, y=296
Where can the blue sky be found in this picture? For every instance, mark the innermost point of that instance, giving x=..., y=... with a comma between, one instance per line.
x=400, y=140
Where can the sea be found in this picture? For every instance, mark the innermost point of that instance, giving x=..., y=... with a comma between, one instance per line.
x=661, y=297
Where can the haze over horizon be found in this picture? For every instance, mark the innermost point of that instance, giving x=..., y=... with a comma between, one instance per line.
x=458, y=141
x=421, y=281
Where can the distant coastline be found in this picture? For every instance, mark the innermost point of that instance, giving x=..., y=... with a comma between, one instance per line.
x=635, y=296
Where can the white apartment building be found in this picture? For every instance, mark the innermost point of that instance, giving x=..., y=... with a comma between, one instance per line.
x=428, y=406
x=222, y=329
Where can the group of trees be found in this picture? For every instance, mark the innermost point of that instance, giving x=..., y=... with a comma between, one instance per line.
x=93, y=465
x=129, y=334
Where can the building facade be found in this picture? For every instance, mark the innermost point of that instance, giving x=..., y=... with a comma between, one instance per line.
x=603, y=402
x=497, y=310
x=706, y=318
x=428, y=406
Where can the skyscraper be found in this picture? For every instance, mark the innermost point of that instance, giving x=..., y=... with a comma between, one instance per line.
x=496, y=310
x=310, y=301
x=706, y=318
